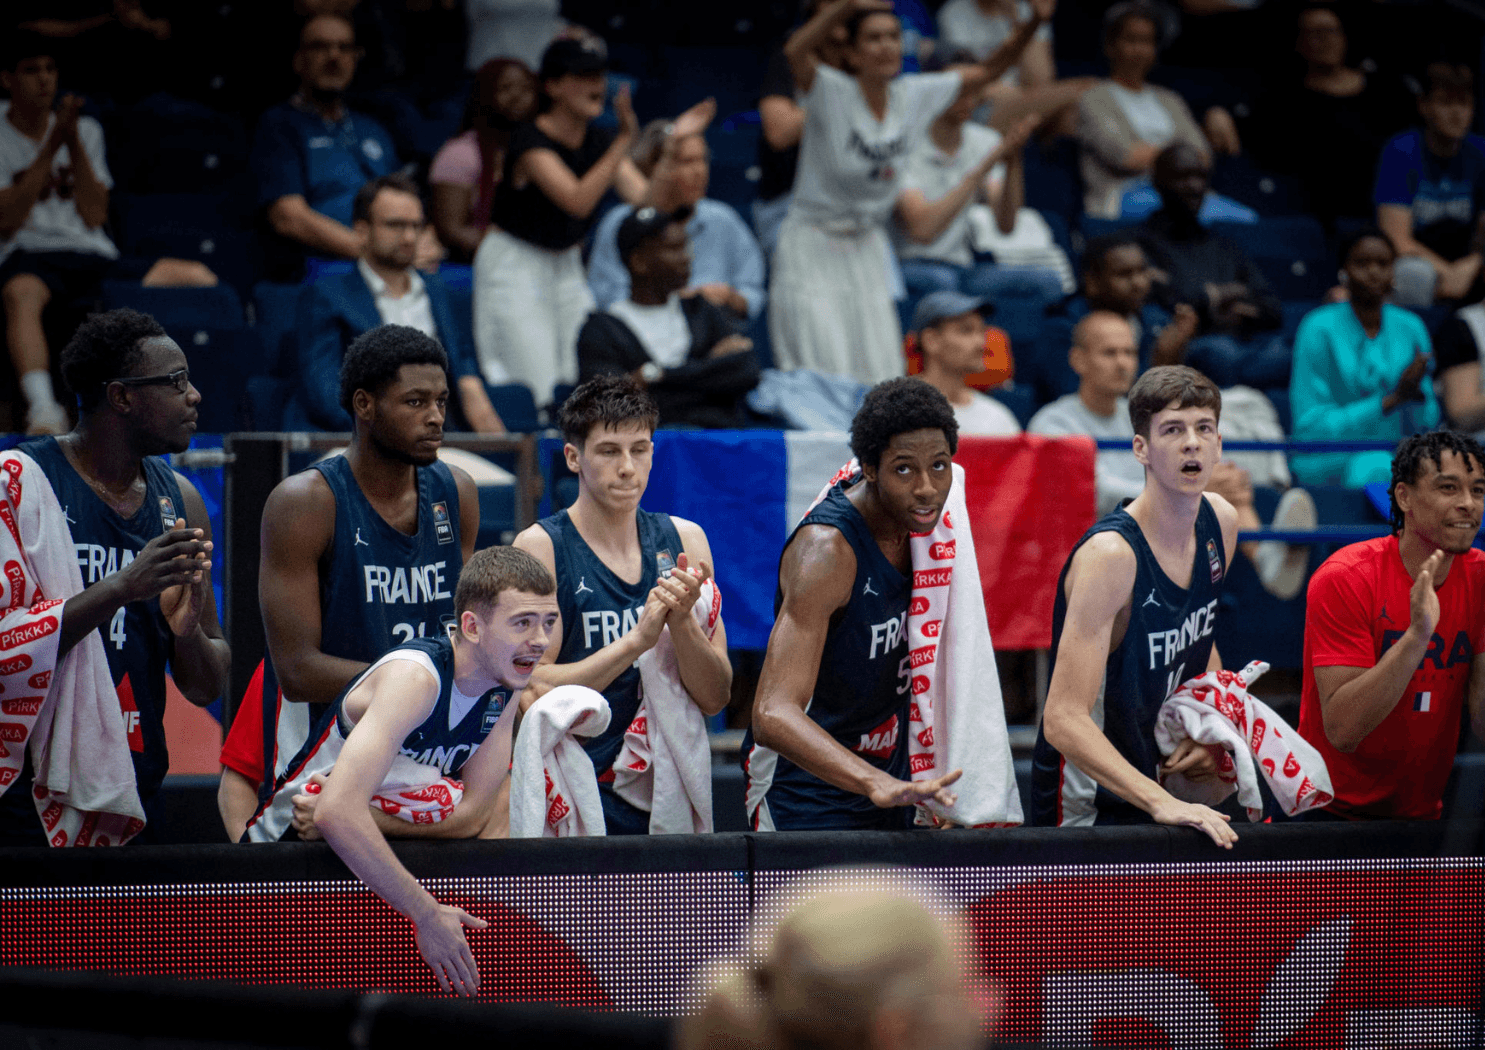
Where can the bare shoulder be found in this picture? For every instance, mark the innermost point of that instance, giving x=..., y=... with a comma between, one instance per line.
x=1101, y=576
x=302, y=506
x=537, y=542
x=693, y=536
x=818, y=567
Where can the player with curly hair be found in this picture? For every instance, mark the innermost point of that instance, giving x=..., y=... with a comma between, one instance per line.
x=828, y=745
x=360, y=552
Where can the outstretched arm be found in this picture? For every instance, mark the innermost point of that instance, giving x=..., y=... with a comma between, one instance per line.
x=802, y=48
x=1099, y=584
x=816, y=574
x=1004, y=58
x=401, y=695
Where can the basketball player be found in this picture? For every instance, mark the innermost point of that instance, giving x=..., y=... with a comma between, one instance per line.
x=446, y=695
x=360, y=552
x=1135, y=612
x=131, y=517
x=622, y=574
x=828, y=745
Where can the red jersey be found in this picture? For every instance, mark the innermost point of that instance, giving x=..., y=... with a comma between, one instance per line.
x=1358, y=608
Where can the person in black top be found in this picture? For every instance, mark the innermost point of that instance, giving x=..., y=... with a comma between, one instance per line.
x=143, y=541
x=530, y=294
x=1237, y=312
x=688, y=351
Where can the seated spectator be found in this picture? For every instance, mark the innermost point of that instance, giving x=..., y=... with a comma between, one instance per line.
x=726, y=262
x=384, y=288
x=54, y=201
x=1360, y=371
x=312, y=153
x=530, y=293
x=957, y=165
x=1125, y=122
x=465, y=171
x=1104, y=357
x=1392, y=640
x=950, y=329
x=1431, y=192
x=1234, y=306
x=1461, y=382
x=688, y=351
x=1327, y=121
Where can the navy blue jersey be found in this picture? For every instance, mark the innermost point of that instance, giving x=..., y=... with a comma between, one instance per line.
x=861, y=693
x=137, y=639
x=380, y=587
x=436, y=741
x=1168, y=640
x=598, y=609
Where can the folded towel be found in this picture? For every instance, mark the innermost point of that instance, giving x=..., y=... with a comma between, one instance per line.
x=554, y=790
x=665, y=765
x=1215, y=708
x=414, y=792
x=956, y=719
x=66, y=711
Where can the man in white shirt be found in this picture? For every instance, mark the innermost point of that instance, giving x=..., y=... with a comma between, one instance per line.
x=54, y=185
x=950, y=329
x=1105, y=358
x=383, y=288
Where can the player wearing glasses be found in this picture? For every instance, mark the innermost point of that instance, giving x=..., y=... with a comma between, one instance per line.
x=142, y=538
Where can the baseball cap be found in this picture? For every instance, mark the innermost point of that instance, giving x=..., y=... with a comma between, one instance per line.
x=573, y=57
x=941, y=305
x=643, y=223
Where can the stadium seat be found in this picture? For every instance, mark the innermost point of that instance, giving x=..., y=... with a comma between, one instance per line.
x=179, y=308
x=1053, y=186
x=1292, y=252
x=273, y=309
x=731, y=75
x=1268, y=193
x=516, y=406
x=172, y=145
x=220, y=360
x=201, y=226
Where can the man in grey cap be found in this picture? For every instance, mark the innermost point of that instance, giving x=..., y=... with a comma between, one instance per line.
x=950, y=328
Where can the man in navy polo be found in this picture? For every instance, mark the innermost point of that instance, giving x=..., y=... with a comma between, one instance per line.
x=312, y=153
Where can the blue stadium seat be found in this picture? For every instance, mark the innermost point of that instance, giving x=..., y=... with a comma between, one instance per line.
x=274, y=307
x=731, y=75
x=461, y=305
x=1053, y=186
x=1266, y=192
x=220, y=360
x=172, y=145
x=1292, y=252
x=179, y=308
x=735, y=170
x=515, y=405
x=208, y=227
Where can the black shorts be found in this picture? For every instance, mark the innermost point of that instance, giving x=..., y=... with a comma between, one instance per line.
x=69, y=276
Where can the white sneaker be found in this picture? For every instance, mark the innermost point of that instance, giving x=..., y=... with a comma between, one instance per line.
x=1283, y=567
x=47, y=419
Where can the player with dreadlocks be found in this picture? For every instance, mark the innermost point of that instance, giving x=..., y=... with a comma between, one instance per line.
x=1395, y=639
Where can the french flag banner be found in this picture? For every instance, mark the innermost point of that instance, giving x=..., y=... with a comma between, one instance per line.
x=1030, y=499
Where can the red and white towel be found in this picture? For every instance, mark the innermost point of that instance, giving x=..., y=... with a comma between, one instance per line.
x=957, y=716
x=414, y=792
x=553, y=789
x=1215, y=708
x=65, y=710
x=665, y=765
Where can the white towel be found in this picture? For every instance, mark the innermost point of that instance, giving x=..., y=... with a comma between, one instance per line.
x=554, y=791
x=417, y=792
x=85, y=792
x=665, y=765
x=1215, y=708
x=957, y=716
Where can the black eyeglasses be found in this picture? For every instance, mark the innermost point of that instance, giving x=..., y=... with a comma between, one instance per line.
x=180, y=379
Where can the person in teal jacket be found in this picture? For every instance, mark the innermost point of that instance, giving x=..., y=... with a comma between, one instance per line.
x=1360, y=371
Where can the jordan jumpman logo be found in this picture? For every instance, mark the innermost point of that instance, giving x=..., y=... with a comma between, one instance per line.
x=359, y=542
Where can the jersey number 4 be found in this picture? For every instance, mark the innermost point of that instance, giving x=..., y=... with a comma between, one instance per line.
x=116, y=629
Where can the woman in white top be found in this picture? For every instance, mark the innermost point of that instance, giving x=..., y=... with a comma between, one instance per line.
x=831, y=295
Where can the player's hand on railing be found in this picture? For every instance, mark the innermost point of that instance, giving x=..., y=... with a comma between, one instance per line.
x=893, y=792
x=1193, y=815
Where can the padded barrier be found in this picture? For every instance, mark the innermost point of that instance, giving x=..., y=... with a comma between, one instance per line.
x=1316, y=935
